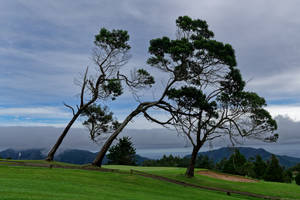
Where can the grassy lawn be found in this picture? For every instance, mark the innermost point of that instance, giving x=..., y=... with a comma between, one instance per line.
x=30, y=183
x=284, y=190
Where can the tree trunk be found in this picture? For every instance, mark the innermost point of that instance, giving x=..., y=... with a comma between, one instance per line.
x=61, y=137
x=191, y=168
x=100, y=156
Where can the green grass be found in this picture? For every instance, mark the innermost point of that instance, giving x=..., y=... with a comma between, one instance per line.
x=284, y=190
x=32, y=183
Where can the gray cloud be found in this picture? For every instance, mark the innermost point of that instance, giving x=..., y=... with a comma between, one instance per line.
x=44, y=45
x=150, y=139
x=56, y=39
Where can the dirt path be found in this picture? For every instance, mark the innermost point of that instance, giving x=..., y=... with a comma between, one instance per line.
x=226, y=176
x=185, y=184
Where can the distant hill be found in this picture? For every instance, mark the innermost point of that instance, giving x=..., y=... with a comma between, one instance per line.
x=248, y=152
x=74, y=156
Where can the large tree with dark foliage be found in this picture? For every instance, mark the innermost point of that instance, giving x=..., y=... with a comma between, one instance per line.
x=204, y=91
x=123, y=153
x=210, y=100
x=109, y=55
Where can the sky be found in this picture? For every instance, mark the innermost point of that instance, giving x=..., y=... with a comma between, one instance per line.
x=46, y=45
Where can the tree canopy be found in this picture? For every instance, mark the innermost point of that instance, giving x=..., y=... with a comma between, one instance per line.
x=209, y=100
x=123, y=153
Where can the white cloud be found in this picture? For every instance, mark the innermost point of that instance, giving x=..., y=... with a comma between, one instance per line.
x=290, y=111
x=48, y=112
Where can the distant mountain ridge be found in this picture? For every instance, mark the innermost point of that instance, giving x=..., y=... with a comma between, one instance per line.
x=77, y=156
x=225, y=152
x=74, y=156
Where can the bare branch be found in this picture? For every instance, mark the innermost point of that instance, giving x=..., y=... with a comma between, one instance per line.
x=68, y=106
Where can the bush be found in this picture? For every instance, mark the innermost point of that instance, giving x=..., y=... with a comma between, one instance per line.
x=297, y=179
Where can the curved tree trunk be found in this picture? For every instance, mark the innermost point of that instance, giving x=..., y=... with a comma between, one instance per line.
x=52, y=152
x=100, y=156
x=191, y=168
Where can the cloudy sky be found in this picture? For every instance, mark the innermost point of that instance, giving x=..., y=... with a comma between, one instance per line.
x=46, y=45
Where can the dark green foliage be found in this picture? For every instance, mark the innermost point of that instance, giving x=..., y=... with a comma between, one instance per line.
x=165, y=161
x=191, y=97
x=270, y=171
x=145, y=77
x=113, y=87
x=210, y=100
x=115, y=39
x=204, y=162
x=198, y=26
x=274, y=171
x=176, y=161
x=297, y=179
x=287, y=176
x=99, y=120
x=220, y=165
x=259, y=167
x=296, y=167
x=236, y=164
x=123, y=153
x=248, y=169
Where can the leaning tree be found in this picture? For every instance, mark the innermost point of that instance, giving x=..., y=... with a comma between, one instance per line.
x=111, y=52
x=204, y=95
x=210, y=101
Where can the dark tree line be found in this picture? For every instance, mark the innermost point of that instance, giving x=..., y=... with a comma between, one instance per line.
x=236, y=164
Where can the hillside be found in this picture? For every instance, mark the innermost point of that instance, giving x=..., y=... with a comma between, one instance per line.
x=74, y=156
x=218, y=154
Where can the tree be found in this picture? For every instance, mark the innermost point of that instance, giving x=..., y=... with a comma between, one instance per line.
x=204, y=162
x=204, y=94
x=287, y=176
x=220, y=165
x=297, y=179
x=99, y=121
x=210, y=101
x=110, y=54
x=248, y=169
x=235, y=164
x=259, y=167
x=123, y=153
x=274, y=171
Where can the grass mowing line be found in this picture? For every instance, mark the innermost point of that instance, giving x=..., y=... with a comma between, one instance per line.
x=228, y=192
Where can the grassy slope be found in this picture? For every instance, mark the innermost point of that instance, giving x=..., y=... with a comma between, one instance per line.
x=289, y=191
x=24, y=183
